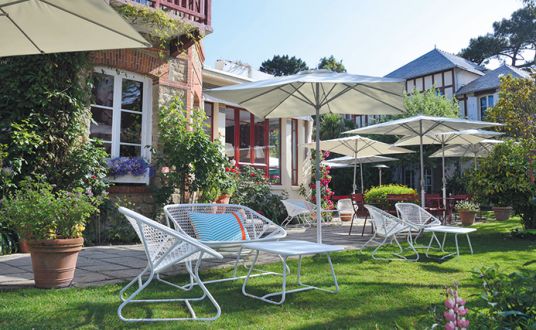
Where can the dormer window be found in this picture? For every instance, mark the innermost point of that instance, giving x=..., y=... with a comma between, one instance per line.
x=486, y=102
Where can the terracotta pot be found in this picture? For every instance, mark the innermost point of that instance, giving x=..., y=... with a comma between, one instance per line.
x=23, y=246
x=467, y=217
x=346, y=216
x=223, y=199
x=54, y=261
x=502, y=213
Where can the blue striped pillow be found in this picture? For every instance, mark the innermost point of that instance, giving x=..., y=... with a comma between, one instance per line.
x=219, y=227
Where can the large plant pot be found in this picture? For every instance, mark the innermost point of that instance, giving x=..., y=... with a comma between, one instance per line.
x=223, y=199
x=502, y=213
x=24, y=247
x=54, y=261
x=467, y=217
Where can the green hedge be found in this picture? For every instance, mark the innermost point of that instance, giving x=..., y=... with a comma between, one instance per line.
x=378, y=195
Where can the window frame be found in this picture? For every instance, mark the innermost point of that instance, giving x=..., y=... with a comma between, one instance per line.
x=146, y=120
x=294, y=161
x=487, y=99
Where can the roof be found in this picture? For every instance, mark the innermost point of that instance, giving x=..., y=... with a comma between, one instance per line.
x=491, y=80
x=434, y=61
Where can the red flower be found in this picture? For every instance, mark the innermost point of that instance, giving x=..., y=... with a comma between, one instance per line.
x=252, y=175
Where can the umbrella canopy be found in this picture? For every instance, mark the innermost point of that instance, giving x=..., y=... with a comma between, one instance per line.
x=480, y=149
x=420, y=126
x=348, y=161
x=465, y=137
x=357, y=147
x=54, y=26
x=316, y=92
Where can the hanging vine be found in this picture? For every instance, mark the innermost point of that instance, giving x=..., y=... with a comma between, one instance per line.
x=164, y=29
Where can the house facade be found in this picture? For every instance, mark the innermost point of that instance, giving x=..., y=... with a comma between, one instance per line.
x=274, y=145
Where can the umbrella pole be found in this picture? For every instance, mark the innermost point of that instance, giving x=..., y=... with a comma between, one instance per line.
x=380, y=174
x=444, y=179
x=422, y=166
x=362, y=183
x=318, y=193
x=354, y=186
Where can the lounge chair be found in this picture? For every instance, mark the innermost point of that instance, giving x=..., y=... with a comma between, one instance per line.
x=165, y=248
x=301, y=210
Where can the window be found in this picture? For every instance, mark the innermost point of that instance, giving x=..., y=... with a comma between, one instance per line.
x=254, y=142
x=485, y=103
x=294, y=152
x=209, y=127
x=428, y=180
x=120, y=112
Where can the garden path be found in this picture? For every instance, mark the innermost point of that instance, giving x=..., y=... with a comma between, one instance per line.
x=101, y=265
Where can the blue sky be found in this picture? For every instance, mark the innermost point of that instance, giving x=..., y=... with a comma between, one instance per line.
x=372, y=37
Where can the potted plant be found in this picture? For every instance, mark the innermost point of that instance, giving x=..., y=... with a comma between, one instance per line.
x=226, y=185
x=53, y=222
x=502, y=212
x=467, y=211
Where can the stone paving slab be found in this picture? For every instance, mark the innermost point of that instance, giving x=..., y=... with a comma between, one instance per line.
x=102, y=265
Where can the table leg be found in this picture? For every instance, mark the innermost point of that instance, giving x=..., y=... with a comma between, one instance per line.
x=457, y=247
x=469, y=241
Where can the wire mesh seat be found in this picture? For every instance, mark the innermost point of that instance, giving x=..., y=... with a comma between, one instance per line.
x=164, y=248
x=416, y=216
x=386, y=228
x=301, y=210
x=259, y=228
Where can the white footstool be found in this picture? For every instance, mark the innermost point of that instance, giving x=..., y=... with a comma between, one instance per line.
x=285, y=249
x=448, y=230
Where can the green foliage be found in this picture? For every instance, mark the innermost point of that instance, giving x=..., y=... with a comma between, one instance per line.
x=109, y=226
x=254, y=192
x=37, y=212
x=378, y=195
x=457, y=183
x=283, y=65
x=309, y=192
x=190, y=159
x=8, y=239
x=44, y=119
x=516, y=108
x=511, y=38
x=332, y=126
x=467, y=206
x=164, y=27
x=502, y=180
x=330, y=63
x=429, y=103
x=510, y=299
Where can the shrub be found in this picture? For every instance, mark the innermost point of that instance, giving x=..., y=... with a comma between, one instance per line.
x=37, y=212
x=509, y=299
x=467, y=206
x=378, y=195
x=253, y=191
x=109, y=226
x=502, y=180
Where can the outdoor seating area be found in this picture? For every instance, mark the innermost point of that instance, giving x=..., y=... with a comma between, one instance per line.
x=149, y=181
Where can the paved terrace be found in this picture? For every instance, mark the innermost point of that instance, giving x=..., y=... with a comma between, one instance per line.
x=101, y=265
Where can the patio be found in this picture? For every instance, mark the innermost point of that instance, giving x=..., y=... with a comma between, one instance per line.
x=100, y=265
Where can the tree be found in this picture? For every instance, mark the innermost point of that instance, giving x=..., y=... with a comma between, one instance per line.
x=332, y=126
x=283, y=65
x=330, y=63
x=516, y=108
x=430, y=103
x=512, y=38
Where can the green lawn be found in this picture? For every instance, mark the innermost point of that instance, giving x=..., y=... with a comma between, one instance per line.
x=374, y=294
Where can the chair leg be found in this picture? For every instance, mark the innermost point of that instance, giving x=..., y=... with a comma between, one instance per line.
x=364, y=225
x=352, y=224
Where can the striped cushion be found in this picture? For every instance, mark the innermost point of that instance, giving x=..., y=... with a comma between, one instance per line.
x=219, y=227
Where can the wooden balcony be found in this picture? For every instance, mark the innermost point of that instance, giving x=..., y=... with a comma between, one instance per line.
x=197, y=12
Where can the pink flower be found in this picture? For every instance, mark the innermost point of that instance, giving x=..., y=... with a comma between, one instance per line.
x=164, y=170
x=450, y=303
x=449, y=315
x=450, y=326
x=460, y=301
x=461, y=311
x=463, y=323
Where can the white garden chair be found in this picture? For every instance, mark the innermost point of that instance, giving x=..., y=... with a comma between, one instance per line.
x=301, y=210
x=165, y=248
x=344, y=206
x=386, y=228
x=416, y=216
x=259, y=228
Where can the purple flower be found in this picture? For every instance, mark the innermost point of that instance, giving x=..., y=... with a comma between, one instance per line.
x=450, y=326
x=135, y=166
x=449, y=315
x=450, y=303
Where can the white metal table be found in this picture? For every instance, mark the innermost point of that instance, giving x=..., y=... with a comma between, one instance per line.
x=448, y=230
x=285, y=249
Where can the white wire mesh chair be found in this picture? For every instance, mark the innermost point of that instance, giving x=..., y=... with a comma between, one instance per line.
x=416, y=216
x=301, y=210
x=259, y=228
x=165, y=248
x=386, y=228
x=344, y=206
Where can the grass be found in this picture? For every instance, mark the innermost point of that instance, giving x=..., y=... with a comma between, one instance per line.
x=373, y=294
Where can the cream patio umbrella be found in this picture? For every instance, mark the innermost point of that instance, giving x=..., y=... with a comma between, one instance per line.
x=357, y=147
x=347, y=161
x=476, y=150
x=54, y=26
x=316, y=92
x=420, y=126
x=465, y=137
